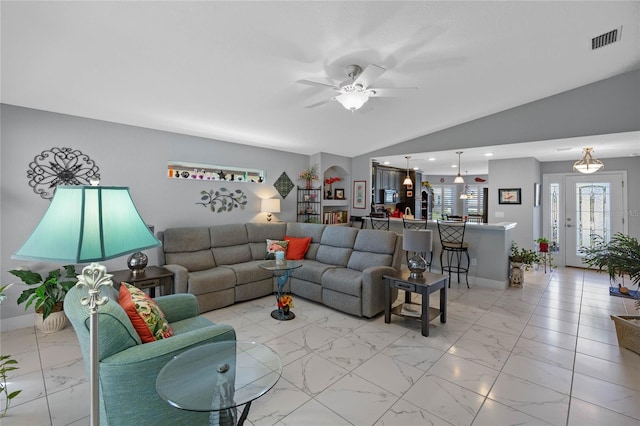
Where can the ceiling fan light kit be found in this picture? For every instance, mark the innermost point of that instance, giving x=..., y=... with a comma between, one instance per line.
x=355, y=91
x=459, y=178
x=587, y=164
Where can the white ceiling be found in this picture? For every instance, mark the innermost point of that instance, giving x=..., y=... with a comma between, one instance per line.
x=227, y=70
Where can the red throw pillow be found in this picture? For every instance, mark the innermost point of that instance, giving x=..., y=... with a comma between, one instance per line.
x=144, y=313
x=297, y=247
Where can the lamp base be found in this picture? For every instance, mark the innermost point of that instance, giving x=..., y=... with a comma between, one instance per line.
x=417, y=265
x=137, y=262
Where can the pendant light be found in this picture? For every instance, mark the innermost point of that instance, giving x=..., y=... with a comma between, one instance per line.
x=407, y=179
x=587, y=164
x=458, y=178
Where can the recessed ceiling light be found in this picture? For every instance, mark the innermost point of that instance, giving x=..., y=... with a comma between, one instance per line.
x=566, y=148
x=455, y=166
x=488, y=154
x=432, y=159
x=386, y=163
x=416, y=168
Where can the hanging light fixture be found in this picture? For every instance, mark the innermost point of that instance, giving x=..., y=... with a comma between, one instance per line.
x=407, y=179
x=587, y=164
x=467, y=194
x=458, y=178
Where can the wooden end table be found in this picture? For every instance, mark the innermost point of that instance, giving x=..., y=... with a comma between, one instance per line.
x=153, y=277
x=424, y=286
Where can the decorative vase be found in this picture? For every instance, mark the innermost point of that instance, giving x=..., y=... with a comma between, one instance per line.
x=544, y=247
x=308, y=183
x=56, y=321
x=285, y=310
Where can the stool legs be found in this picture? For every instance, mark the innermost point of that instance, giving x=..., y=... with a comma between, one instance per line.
x=449, y=267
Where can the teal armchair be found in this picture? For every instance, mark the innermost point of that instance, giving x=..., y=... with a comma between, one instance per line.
x=128, y=368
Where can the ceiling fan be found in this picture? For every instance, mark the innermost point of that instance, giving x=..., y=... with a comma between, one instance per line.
x=356, y=91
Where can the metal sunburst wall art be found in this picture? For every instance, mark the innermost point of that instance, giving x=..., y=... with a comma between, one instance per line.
x=60, y=166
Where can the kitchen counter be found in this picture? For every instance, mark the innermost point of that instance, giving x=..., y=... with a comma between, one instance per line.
x=489, y=247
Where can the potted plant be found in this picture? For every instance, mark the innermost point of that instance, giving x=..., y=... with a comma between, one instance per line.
x=620, y=257
x=47, y=295
x=543, y=245
x=521, y=260
x=7, y=364
x=309, y=175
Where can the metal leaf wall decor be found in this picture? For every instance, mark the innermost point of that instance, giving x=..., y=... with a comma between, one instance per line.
x=60, y=166
x=223, y=200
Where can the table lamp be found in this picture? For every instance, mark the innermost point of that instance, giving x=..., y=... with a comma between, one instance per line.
x=89, y=224
x=417, y=241
x=270, y=205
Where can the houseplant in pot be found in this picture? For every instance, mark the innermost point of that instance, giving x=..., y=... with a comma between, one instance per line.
x=620, y=257
x=543, y=244
x=7, y=364
x=521, y=259
x=47, y=295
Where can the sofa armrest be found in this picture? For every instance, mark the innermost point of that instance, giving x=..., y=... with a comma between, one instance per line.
x=373, y=289
x=177, y=307
x=180, y=278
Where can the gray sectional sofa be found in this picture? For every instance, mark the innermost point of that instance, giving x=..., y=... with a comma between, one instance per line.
x=342, y=269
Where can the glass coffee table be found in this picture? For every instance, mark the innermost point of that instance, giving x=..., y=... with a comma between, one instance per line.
x=218, y=377
x=283, y=269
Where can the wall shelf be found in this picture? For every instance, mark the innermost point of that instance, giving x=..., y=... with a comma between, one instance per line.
x=209, y=172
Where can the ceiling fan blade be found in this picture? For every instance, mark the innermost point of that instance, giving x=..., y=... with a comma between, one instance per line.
x=315, y=83
x=369, y=75
x=399, y=91
x=326, y=101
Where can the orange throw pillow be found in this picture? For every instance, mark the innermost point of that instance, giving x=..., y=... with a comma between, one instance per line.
x=144, y=313
x=297, y=247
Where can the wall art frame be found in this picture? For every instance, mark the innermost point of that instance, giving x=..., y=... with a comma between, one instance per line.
x=510, y=196
x=359, y=194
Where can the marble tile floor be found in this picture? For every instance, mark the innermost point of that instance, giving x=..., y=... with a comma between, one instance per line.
x=545, y=354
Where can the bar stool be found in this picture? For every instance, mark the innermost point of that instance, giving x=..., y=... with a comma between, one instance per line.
x=452, y=241
x=419, y=224
x=380, y=223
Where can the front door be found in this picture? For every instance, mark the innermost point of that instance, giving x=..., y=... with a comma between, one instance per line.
x=594, y=206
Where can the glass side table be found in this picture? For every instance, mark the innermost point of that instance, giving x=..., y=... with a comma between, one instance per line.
x=218, y=377
x=283, y=271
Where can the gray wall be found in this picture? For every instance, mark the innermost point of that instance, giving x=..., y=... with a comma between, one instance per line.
x=607, y=106
x=127, y=156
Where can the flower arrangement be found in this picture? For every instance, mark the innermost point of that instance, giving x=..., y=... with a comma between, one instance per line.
x=285, y=301
x=309, y=174
x=331, y=180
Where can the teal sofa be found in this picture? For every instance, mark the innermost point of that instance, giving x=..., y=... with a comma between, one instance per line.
x=128, y=368
x=342, y=269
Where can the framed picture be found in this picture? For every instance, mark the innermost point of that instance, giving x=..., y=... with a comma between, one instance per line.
x=536, y=194
x=409, y=193
x=307, y=197
x=339, y=194
x=359, y=194
x=509, y=196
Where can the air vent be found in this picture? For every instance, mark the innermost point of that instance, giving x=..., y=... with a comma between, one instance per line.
x=606, y=39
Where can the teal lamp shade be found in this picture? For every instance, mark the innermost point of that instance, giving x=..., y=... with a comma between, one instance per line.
x=88, y=224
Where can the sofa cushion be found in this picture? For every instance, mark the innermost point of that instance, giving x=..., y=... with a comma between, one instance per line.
x=313, y=230
x=312, y=271
x=229, y=244
x=144, y=313
x=375, y=241
x=361, y=260
x=249, y=272
x=297, y=247
x=343, y=280
x=336, y=245
x=193, y=261
x=190, y=239
x=210, y=280
x=258, y=233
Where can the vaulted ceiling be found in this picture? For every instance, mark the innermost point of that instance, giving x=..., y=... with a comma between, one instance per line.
x=227, y=70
